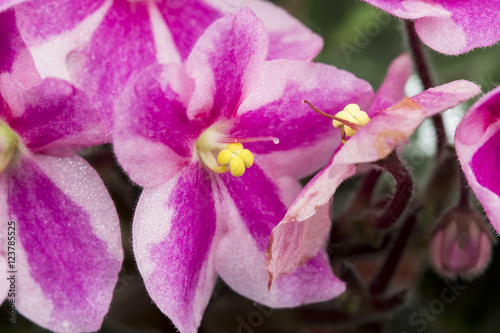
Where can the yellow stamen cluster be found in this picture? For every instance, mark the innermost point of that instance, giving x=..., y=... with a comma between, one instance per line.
x=8, y=145
x=236, y=158
x=353, y=114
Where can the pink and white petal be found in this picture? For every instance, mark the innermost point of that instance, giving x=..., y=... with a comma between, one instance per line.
x=477, y=140
x=471, y=25
x=446, y=96
x=16, y=62
x=41, y=19
x=411, y=9
x=274, y=108
x=248, y=208
x=6, y=4
x=69, y=242
x=173, y=231
x=395, y=124
x=187, y=20
x=289, y=38
x=392, y=89
x=57, y=118
x=53, y=43
x=303, y=231
x=225, y=63
x=120, y=48
x=153, y=137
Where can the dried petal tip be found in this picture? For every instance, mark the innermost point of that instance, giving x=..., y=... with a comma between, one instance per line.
x=461, y=245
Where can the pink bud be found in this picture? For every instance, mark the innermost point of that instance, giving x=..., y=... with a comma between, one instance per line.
x=461, y=245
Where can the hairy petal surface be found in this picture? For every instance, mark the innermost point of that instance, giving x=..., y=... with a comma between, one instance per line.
x=289, y=38
x=225, y=64
x=448, y=26
x=395, y=124
x=120, y=48
x=57, y=118
x=274, y=108
x=154, y=139
x=248, y=208
x=173, y=231
x=41, y=19
x=69, y=242
x=392, y=89
x=477, y=140
x=303, y=231
x=16, y=63
x=374, y=141
x=187, y=20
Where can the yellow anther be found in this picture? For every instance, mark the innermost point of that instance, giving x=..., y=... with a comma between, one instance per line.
x=346, y=116
x=237, y=166
x=352, y=108
x=234, y=147
x=353, y=114
x=236, y=158
x=224, y=157
x=343, y=115
x=221, y=154
x=362, y=118
x=247, y=157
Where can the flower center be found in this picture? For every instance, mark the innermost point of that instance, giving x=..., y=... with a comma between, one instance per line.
x=353, y=114
x=231, y=156
x=8, y=144
x=349, y=121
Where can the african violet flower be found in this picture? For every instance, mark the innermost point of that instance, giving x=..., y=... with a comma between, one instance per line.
x=449, y=26
x=104, y=43
x=293, y=240
x=67, y=240
x=477, y=141
x=194, y=219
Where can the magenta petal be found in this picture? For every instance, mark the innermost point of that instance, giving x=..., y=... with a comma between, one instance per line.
x=449, y=26
x=392, y=89
x=172, y=245
x=10, y=39
x=248, y=208
x=120, y=48
x=471, y=25
x=69, y=242
x=153, y=137
x=225, y=74
x=57, y=119
x=187, y=20
x=291, y=241
x=289, y=38
x=41, y=19
x=394, y=125
x=477, y=140
x=446, y=96
x=303, y=231
x=6, y=4
x=274, y=108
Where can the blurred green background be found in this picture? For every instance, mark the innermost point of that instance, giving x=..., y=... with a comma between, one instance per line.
x=363, y=40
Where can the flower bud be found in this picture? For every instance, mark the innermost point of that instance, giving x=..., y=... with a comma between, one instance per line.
x=461, y=245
